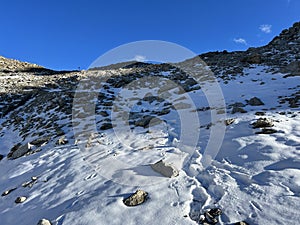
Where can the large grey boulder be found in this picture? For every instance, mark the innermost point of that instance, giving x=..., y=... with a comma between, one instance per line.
x=165, y=169
x=18, y=151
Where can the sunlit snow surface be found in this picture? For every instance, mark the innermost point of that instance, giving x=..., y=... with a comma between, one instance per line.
x=254, y=177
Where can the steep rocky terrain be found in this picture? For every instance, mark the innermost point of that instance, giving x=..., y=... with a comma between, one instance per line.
x=254, y=178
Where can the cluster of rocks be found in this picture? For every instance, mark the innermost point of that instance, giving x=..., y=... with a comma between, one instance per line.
x=22, y=199
x=293, y=100
x=238, y=107
x=264, y=124
x=210, y=216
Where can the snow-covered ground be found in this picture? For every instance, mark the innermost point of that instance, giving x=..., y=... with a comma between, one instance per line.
x=254, y=178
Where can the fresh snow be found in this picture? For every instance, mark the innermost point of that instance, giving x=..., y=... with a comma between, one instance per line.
x=254, y=177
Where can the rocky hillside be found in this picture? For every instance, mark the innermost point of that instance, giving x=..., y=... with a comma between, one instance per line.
x=9, y=65
x=254, y=177
x=281, y=55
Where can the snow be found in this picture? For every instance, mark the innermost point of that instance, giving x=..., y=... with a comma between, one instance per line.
x=254, y=177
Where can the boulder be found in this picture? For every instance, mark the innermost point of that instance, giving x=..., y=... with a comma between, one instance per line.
x=165, y=169
x=262, y=123
x=41, y=141
x=255, y=101
x=238, y=110
x=18, y=151
x=44, y=222
x=20, y=199
x=106, y=126
x=139, y=197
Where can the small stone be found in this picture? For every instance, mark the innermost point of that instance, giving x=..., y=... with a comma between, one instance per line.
x=1, y=157
x=30, y=183
x=20, y=199
x=7, y=192
x=229, y=121
x=62, y=140
x=44, y=222
x=165, y=169
x=255, y=102
x=139, y=197
x=241, y=223
x=260, y=113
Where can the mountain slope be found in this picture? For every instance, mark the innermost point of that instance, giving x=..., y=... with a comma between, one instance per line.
x=46, y=133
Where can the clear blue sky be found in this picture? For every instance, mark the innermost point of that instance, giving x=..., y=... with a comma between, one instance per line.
x=67, y=34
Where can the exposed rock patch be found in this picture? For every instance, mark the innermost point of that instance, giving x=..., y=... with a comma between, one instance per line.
x=210, y=216
x=139, y=197
x=263, y=123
